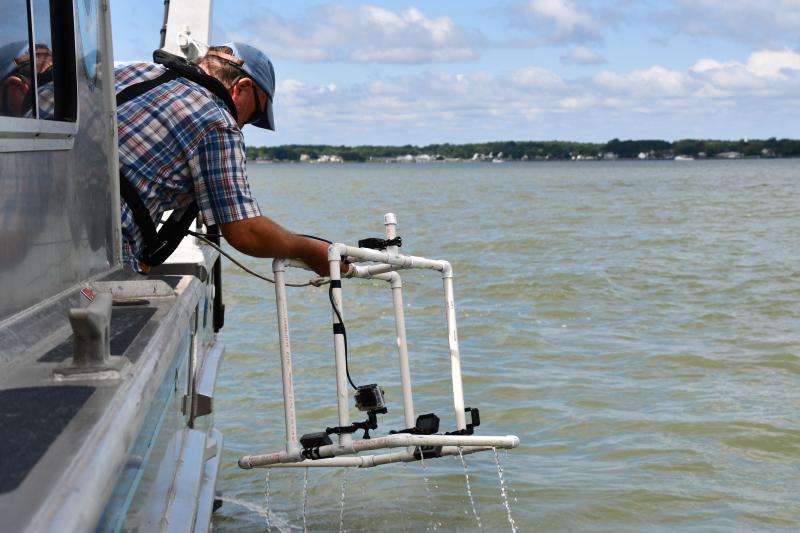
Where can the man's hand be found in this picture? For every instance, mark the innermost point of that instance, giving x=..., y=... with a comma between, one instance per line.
x=261, y=237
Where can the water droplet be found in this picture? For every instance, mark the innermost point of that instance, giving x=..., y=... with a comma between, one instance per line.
x=503, y=491
x=427, y=493
x=266, y=500
x=469, y=490
x=305, y=499
x=341, y=508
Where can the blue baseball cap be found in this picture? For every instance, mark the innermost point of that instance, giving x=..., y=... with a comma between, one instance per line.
x=11, y=58
x=258, y=66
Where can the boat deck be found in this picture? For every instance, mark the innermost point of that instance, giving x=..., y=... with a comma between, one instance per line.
x=55, y=430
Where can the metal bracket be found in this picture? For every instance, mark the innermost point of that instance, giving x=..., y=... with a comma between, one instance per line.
x=203, y=402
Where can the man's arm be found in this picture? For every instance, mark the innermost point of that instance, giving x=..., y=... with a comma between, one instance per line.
x=261, y=237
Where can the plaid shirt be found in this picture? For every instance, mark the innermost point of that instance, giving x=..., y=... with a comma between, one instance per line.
x=178, y=143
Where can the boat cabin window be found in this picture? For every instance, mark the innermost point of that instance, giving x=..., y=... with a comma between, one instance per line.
x=38, y=85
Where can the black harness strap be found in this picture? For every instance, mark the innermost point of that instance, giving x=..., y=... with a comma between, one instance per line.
x=140, y=213
x=132, y=91
x=159, y=244
x=178, y=67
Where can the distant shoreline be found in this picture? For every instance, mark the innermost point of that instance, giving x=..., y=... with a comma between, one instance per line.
x=502, y=151
x=469, y=162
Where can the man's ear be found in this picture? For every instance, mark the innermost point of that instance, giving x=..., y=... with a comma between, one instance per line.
x=243, y=84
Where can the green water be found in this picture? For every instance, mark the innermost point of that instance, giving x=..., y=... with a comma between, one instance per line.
x=634, y=323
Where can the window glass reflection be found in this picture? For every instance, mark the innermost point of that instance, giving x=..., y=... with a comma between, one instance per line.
x=44, y=57
x=16, y=70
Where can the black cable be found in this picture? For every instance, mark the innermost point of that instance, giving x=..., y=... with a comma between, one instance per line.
x=344, y=259
x=202, y=237
x=314, y=237
x=338, y=316
x=344, y=334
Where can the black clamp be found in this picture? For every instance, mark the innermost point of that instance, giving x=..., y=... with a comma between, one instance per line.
x=475, y=421
x=370, y=423
x=375, y=243
x=311, y=442
x=425, y=425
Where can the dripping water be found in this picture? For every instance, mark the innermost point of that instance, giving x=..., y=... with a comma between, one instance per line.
x=432, y=526
x=305, y=499
x=242, y=503
x=469, y=489
x=277, y=523
x=266, y=500
x=503, y=491
x=341, y=506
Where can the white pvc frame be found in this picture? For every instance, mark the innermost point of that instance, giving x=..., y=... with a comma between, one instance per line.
x=386, y=264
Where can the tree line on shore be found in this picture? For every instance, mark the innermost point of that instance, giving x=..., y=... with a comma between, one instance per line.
x=536, y=150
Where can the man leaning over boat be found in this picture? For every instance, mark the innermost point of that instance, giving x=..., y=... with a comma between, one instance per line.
x=181, y=148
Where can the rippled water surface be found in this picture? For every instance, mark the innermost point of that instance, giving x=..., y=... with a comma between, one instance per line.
x=634, y=323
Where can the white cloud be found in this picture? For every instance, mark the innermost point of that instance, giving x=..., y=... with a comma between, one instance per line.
x=774, y=64
x=581, y=55
x=724, y=78
x=537, y=78
x=534, y=102
x=363, y=34
x=766, y=72
x=555, y=21
x=765, y=23
x=577, y=102
x=652, y=82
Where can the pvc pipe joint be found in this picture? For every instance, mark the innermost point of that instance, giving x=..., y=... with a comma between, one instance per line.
x=279, y=265
x=447, y=269
x=336, y=251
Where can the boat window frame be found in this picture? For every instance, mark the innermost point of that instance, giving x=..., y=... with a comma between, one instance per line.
x=19, y=134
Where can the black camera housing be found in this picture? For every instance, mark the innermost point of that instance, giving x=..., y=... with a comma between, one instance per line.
x=315, y=440
x=427, y=424
x=370, y=398
x=427, y=452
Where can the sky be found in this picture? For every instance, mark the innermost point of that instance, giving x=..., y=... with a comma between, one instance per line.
x=445, y=71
